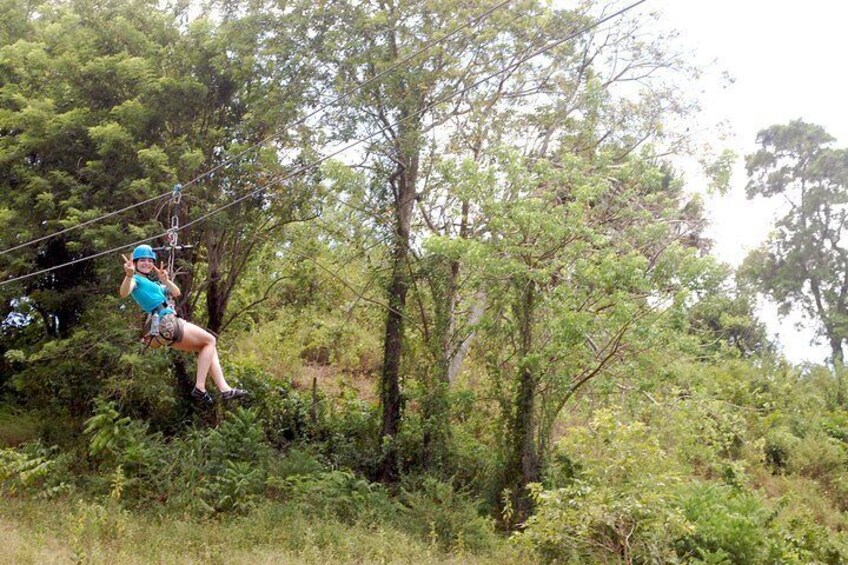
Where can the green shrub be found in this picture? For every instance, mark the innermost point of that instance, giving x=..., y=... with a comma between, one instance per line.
x=34, y=470
x=819, y=456
x=800, y=540
x=434, y=510
x=616, y=500
x=117, y=440
x=471, y=462
x=236, y=488
x=61, y=378
x=128, y=458
x=283, y=411
x=597, y=523
x=226, y=468
x=779, y=444
x=297, y=460
x=338, y=494
x=816, y=455
x=727, y=525
x=349, y=434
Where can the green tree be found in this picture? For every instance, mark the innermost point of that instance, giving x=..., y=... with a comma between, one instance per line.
x=566, y=111
x=401, y=110
x=724, y=320
x=804, y=263
x=107, y=104
x=581, y=260
x=564, y=98
x=254, y=77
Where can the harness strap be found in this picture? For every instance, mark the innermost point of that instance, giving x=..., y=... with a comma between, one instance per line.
x=163, y=306
x=148, y=339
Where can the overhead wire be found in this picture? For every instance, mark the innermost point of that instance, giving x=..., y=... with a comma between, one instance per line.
x=278, y=132
x=317, y=162
x=83, y=224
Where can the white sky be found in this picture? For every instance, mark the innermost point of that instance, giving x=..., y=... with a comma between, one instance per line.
x=786, y=57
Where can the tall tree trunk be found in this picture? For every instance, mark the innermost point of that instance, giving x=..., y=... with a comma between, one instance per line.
x=522, y=466
x=838, y=367
x=456, y=357
x=836, y=351
x=390, y=376
x=434, y=403
x=444, y=284
x=215, y=306
x=435, y=409
x=390, y=397
x=215, y=299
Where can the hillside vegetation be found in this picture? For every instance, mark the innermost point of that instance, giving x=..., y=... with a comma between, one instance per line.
x=490, y=331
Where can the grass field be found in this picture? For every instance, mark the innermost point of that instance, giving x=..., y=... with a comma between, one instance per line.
x=67, y=531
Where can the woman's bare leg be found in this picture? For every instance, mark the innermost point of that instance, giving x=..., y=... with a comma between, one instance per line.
x=197, y=340
x=218, y=373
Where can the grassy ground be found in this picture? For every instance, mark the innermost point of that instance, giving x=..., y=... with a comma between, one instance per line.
x=88, y=532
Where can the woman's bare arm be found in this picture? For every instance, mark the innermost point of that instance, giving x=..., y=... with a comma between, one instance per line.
x=128, y=284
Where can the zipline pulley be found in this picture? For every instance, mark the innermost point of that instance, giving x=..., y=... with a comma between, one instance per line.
x=172, y=237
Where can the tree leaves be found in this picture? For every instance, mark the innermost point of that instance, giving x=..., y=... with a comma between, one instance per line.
x=804, y=264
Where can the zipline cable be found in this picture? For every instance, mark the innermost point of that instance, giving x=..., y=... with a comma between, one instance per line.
x=85, y=223
x=317, y=162
x=427, y=46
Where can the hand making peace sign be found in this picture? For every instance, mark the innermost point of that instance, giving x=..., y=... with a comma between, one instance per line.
x=161, y=272
x=129, y=268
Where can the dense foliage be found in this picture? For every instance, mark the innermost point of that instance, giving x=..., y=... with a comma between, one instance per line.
x=492, y=331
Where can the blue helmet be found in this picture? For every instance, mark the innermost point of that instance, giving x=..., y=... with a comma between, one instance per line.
x=143, y=252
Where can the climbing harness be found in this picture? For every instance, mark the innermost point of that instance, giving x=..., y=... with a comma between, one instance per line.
x=162, y=331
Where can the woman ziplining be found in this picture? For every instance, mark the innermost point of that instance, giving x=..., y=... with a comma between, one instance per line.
x=152, y=290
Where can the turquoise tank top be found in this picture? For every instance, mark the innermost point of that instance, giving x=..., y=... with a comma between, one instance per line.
x=149, y=295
